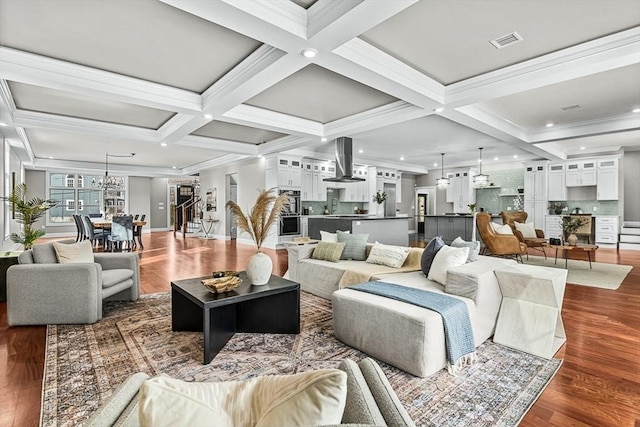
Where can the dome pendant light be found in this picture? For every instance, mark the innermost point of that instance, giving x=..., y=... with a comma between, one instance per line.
x=480, y=180
x=442, y=182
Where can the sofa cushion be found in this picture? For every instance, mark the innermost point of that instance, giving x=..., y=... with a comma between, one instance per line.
x=325, y=236
x=393, y=256
x=81, y=252
x=474, y=247
x=446, y=258
x=392, y=410
x=310, y=398
x=528, y=230
x=115, y=276
x=328, y=251
x=501, y=228
x=360, y=407
x=355, y=245
x=44, y=254
x=429, y=253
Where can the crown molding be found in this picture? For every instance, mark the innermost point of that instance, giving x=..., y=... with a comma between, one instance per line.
x=7, y=97
x=271, y=120
x=284, y=14
x=173, y=125
x=603, y=54
x=492, y=118
x=32, y=119
x=620, y=123
x=374, y=60
x=219, y=145
x=98, y=168
x=25, y=144
x=286, y=143
x=39, y=70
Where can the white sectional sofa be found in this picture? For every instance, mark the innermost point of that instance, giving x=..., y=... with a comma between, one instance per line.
x=403, y=335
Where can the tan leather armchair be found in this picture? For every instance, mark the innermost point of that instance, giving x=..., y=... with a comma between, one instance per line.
x=538, y=242
x=504, y=245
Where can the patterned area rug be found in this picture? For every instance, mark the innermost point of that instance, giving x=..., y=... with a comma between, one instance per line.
x=84, y=363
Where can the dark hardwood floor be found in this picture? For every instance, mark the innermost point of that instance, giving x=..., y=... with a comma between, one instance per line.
x=597, y=385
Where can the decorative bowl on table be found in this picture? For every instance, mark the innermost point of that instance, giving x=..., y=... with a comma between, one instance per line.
x=222, y=284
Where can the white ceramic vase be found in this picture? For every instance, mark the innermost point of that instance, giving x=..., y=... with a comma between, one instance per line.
x=259, y=269
x=380, y=210
x=572, y=239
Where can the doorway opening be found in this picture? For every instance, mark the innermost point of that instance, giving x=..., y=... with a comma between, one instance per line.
x=231, y=184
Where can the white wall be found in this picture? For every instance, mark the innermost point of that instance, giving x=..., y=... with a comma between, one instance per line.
x=251, y=179
x=631, y=186
x=140, y=198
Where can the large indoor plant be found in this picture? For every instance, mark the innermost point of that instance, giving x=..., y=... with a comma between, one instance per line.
x=265, y=213
x=27, y=212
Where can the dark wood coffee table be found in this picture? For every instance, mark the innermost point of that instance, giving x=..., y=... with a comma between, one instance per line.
x=588, y=249
x=271, y=308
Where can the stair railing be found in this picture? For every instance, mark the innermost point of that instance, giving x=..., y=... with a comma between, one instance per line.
x=189, y=210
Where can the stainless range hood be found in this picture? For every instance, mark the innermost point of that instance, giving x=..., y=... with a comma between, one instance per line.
x=344, y=161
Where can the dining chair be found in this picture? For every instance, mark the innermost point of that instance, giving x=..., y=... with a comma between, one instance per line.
x=79, y=227
x=91, y=233
x=121, y=232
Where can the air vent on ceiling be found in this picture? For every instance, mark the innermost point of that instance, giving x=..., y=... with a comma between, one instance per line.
x=506, y=40
x=571, y=107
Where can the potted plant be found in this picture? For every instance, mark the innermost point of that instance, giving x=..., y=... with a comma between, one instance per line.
x=570, y=226
x=380, y=198
x=556, y=207
x=263, y=215
x=27, y=212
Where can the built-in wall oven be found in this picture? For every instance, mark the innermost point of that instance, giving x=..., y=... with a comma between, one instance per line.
x=290, y=216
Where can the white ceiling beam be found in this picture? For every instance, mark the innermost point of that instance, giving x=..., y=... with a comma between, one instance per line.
x=219, y=145
x=596, y=56
x=98, y=168
x=52, y=73
x=593, y=127
x=272, y=120
x=213, y=163
x=285, y=144
x=364, y=63
x=386, y=115
x=35, y=120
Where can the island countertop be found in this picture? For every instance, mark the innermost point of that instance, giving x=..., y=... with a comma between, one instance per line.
x=384, y=230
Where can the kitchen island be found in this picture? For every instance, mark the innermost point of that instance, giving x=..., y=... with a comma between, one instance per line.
x=388, y=230
x=452, y=226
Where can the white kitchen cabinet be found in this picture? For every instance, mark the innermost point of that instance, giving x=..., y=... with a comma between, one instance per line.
x=557, y=187
x=581, y=173
x=306, y=192
x=535, y=193
x=398, y=187
x=607, y=187
x=553, y=226
x=607, y=229
x=304, y=226
x=289, y=173
x=460, y=191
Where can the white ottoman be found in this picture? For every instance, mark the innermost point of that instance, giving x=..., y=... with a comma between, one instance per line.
x=406, y=336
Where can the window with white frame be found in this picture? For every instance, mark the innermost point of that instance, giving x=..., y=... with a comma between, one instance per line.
x=74, y=198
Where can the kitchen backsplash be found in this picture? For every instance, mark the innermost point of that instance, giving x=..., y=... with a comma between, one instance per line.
x=604, y=207
x=333, y=199
x=503, y=195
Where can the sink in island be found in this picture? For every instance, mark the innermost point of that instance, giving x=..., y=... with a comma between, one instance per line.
x=388, y=230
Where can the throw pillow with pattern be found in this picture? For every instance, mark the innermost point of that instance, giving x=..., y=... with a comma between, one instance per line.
x=355, y=246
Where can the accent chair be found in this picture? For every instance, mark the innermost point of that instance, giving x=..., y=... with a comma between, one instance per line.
x=537, y=243
x=502, y=245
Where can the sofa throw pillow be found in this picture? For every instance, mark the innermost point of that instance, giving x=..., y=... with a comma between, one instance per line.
x=325, y=236
x=528, y=230
x=328, y=251
x=311, y=398
x=355, y=245
x=474, y=247
x=392, y=256
x=429, y=253
x=44, y=253
x=501, y=229
x=81, y=252
x=446, y=258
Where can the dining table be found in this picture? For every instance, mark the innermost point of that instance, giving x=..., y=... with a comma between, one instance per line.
x=106, y=225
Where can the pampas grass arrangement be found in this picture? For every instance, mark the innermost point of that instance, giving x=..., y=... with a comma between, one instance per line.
x=265, y=212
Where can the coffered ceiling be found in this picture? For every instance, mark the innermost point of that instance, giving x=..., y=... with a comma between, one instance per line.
x=196, y=84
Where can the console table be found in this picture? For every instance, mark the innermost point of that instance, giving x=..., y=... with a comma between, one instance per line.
x=7, y=259
x=529, y=318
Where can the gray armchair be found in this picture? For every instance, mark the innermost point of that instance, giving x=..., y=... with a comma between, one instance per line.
x=40, y=291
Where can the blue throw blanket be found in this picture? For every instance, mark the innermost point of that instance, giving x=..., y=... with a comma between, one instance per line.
x=458, y=333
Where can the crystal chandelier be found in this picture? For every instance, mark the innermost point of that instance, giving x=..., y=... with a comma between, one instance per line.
x=110, y=182
x=480, y=180
x=442, y=182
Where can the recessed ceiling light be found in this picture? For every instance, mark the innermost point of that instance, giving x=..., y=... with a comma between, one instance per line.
x=51, y=157
x=438, y=110
x=309, y=52
x=323, y=139
x=549, y=125
x=173, y=167
x=361, y=151
x=435, y=165
x=164, y=144
x=208, y=116
x=3, y=124
x=635, y=110
x=496, y=158
x=515, y=156
x=402, y=158
x=582, y=148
